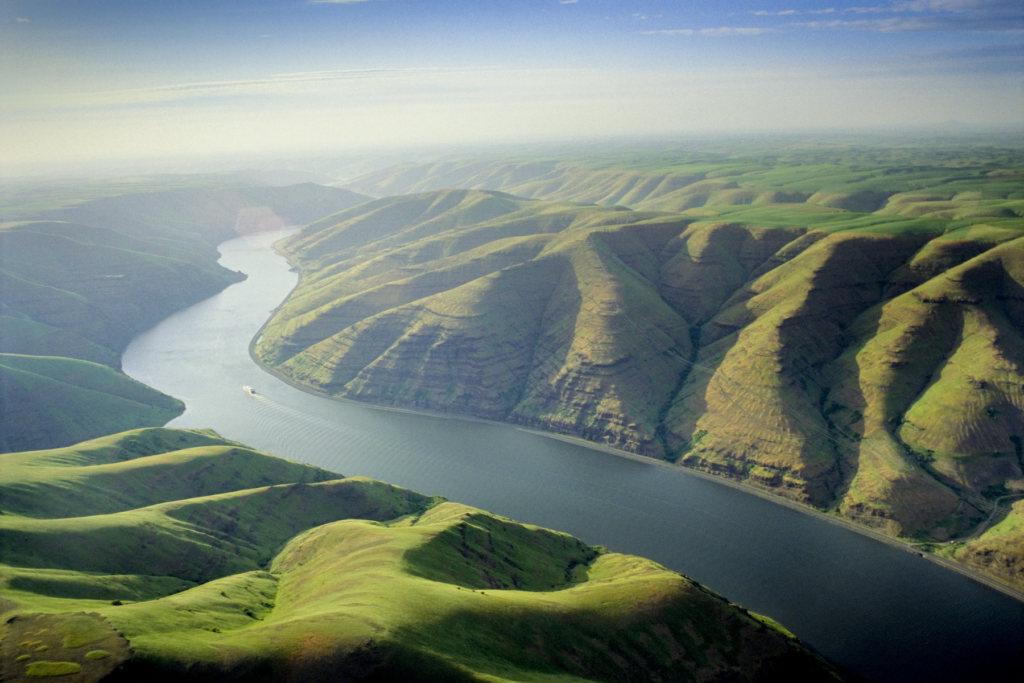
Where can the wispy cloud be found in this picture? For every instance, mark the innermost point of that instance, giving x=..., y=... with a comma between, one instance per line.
x=290, y=84
x=936, y=23
x=792, y=12
x=722, y=31
x=918, y=16
x=957, y=6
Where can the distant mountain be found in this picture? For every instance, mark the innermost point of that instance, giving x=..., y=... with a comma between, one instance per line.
x=166, y=554
x=201, y=218
x=854, y=175
x=866, y=363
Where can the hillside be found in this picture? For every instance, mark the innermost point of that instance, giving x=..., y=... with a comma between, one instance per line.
x=84, y=287
x=201, y=218
x=98, y=273
x=176, y=555
x=48, y=401
x=81, y=284
x=863, y=363
x=854, y=173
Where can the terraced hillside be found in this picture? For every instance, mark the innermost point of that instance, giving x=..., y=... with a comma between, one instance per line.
x=866, y=363
x=77, y=292
x=165, y=554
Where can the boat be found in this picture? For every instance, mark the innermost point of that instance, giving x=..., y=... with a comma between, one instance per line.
x=249, y=390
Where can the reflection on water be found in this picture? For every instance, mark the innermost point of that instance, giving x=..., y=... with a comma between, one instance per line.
x=882, y=612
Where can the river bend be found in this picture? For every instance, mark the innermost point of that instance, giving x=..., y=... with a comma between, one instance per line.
x=884, y=613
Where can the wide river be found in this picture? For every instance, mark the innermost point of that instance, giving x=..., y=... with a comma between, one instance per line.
x=882, y=612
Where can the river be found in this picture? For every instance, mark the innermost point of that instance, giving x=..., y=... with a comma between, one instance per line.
x=884, y=613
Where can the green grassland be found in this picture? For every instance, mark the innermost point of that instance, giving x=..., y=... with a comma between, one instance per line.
x=48, y=401
x=855, y=173
x=93, y=285
x=81, y=279
x=855, y=344
x=166, y=554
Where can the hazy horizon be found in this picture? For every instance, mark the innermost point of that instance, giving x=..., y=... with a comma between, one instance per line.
x=106, y=81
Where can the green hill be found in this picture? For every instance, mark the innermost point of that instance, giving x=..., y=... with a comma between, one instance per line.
x=239, y=566
x=966, y=177
x=24, y=336
x=995, y=552
x=863, y=363
x=200, y=218
x=48, y=401
x=114, y=266
x=81, y=280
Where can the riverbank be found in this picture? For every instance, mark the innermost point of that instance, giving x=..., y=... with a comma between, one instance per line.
x=873, y=607
x=907, y=546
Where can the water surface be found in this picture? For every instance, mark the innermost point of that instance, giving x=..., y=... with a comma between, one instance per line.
x=884, y=613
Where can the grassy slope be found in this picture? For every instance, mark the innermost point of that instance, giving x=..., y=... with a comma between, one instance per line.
x=67, y=279
x=106, y=269
x=24, y=336
x=201, y=218
x=47, y=401
x=997, y=551
x=501, y=329
x=309, y=581
x=858, y=174
x=862, y=362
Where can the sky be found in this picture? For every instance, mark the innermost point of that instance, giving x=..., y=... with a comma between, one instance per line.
x=91, y=79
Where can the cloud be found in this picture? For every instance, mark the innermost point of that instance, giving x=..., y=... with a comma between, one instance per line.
x=923, y=24
x=310, y=83
x=712, y=32
x=956, y=6
x=354, y=110
x=792, y=12
x=920, y=16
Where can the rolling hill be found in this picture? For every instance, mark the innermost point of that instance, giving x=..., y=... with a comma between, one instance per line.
x=177, y=555
x=911, y=175
x=48, y=401
x=863, y=363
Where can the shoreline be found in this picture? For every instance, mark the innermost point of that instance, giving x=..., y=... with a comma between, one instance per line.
x=739, y=486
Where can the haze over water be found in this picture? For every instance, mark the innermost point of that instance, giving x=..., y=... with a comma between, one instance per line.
x=880, y=611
